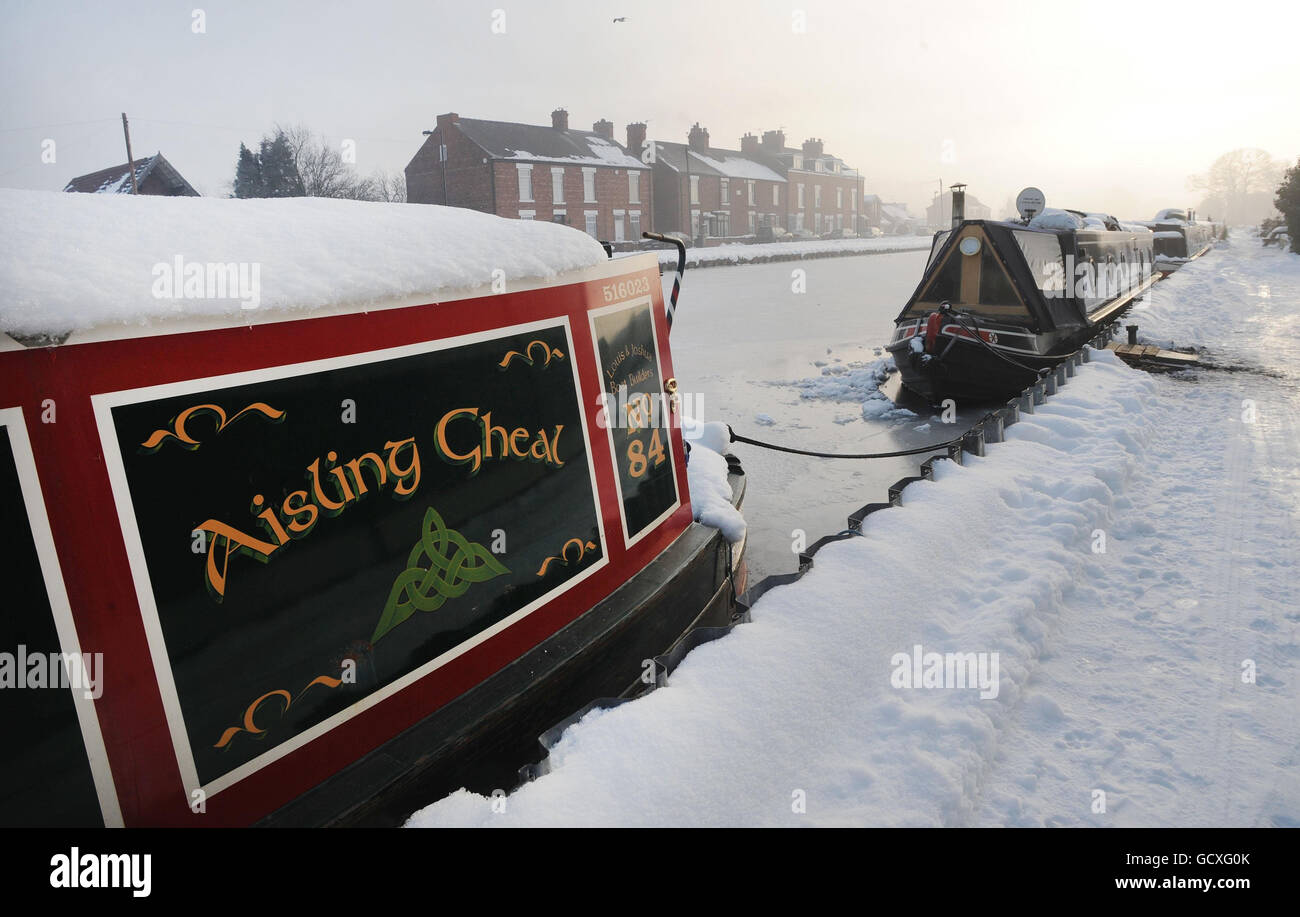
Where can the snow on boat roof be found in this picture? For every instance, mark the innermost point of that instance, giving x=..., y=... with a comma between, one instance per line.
x=71, y=262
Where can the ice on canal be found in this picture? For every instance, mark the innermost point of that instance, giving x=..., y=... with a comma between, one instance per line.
x=1097, y=624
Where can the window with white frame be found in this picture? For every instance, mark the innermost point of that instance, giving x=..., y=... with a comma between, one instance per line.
x=751, y=222
x=695, y=223
x=776, y=195
x=527, y=214
x=560, y=216
x=749, y=190
x=853, y=198
x=590, y=216
x=589, y=186
x=839, y=198
x=726, y=192
x=634, y=223
x=557, y=184
x=695, y=191
x=817, y=195
x=525, y=182
x=800, y=187
x=633, y=186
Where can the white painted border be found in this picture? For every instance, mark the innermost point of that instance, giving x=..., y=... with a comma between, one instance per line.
x=641, y=301
x=104, y=403
x=34, y=501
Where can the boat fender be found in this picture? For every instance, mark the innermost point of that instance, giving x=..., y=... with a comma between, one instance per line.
x=933, y=325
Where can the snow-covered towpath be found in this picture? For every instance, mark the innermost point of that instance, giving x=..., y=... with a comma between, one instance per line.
x=1128, y=554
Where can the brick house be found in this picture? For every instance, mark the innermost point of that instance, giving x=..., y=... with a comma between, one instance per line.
x=825, y=193
x=716, y=193
x=154, y=175
x=532, y=172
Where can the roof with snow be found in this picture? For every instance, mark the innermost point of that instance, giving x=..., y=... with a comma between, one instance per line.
x=726, y=163
x=539, y=143
x=117, y=179
x=71, y=262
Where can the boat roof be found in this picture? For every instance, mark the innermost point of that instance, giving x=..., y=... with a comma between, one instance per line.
x=134, y=263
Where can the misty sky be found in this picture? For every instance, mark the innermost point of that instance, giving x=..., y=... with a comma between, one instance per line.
x=1104, y=106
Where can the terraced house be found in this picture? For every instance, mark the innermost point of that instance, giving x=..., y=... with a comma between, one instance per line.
x=533, y=172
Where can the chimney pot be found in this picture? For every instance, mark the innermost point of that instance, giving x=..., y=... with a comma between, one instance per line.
x=560, y=119
x=604, y=128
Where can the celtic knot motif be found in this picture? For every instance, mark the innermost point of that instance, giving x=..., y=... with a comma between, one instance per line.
x=453, y=564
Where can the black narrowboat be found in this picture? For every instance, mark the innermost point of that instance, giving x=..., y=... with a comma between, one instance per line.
x=1002, y=303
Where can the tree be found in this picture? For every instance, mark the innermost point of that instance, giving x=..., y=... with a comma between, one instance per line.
x=248, y=175
x=1288, y=202
x=390, y=186
x=279, y=170
x=1237, y=183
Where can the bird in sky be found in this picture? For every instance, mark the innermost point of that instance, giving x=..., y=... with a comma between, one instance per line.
x=621, y=19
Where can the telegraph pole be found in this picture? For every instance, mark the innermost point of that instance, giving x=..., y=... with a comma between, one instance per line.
x=130, y=160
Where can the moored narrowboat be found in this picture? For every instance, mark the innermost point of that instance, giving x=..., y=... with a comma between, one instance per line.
x=1179, y=238
x=322, y=507
x=1003, y=302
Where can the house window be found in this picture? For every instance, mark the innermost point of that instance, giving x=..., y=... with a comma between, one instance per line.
x=776, y=195
x=751, y=222
x=525, y=182
x=853, y=199
x=796, y=162
x=442, y=152
x=839, y=198
x=591, y=222
x=589, y=186
x=619, y=216
x=817, y=195
x=800, y=187
x=726, y=193
x=633, y=187
x=557, y=185
x=695, y=192
x=527, y=214
x=634, y=219
x=749, y=188
x=560, y=216
x=695, y=223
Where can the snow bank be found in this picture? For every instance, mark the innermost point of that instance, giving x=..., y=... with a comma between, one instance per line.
x=734, y=253
x=74, y=261
x=706, y=474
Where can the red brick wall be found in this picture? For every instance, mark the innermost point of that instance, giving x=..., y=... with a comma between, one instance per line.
x=468, y=180
x=612, y=193
x=829, y=182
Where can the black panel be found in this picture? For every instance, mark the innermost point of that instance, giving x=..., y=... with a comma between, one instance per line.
x=45, y=776
x=380, y=582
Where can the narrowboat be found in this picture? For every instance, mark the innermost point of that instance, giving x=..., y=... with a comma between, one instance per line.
x=1179, y=238
x=1002, y=303
x=321, y=510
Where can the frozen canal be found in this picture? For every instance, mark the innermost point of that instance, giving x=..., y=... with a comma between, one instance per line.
x=742, y=339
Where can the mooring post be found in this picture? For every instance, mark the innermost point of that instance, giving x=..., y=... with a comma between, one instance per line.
x=1086, y=354
x=993, y=428
x=1027, y=401
x=1132, y=333
x=1069, y=367
x=1038, y=393
x=1011, y=413
x=973, y=441
x=1060, y=376
x=1049, y=385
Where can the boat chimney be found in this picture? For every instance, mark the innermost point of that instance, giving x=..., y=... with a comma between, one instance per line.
x=958, y=204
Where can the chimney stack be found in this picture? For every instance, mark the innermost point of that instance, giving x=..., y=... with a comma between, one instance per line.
x=749, y=144
x=560, y=119
x=604, y=128
x=773, y=141
x=958, y=204
x=812, y=148
x=447, y=120
x=698, y=138
x=636, y=138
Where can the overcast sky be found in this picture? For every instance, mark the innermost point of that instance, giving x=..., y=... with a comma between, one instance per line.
x=1104, y=106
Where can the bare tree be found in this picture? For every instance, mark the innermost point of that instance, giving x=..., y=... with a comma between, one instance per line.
x=323, y=170
x=390, y=186
x=1235, y=178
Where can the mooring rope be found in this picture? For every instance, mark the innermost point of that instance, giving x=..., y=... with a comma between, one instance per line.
x=938, y=447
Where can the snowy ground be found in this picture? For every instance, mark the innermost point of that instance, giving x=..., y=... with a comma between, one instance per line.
x=1129, y=554
x=737, y=253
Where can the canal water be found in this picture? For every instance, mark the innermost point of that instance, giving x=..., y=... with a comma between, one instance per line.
x=787, y=358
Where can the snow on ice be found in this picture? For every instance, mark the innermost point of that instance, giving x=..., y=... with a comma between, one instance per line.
x=1129, y=554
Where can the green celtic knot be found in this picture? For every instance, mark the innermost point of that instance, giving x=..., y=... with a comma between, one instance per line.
x=454, y=563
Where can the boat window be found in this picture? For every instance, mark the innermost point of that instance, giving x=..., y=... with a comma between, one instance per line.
x=939, y=239
x=1042, y=254
x=995, y=285
x=946, y=283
